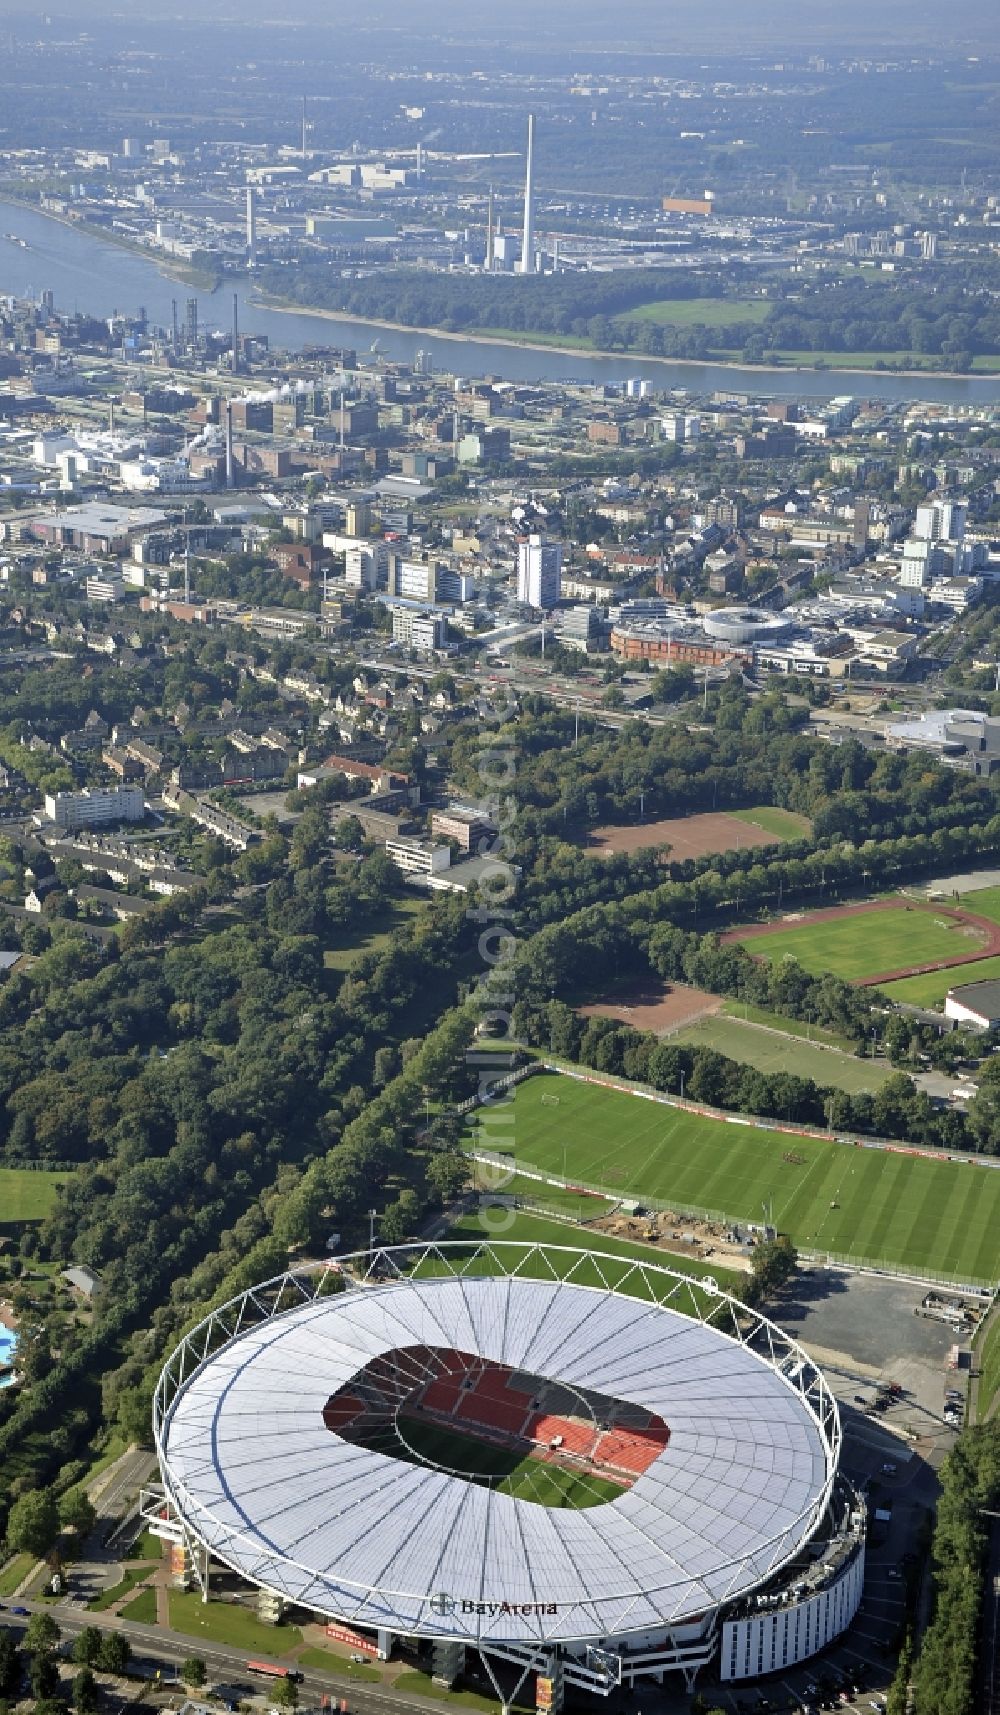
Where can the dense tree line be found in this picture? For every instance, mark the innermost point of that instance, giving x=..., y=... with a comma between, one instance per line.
x=945, y=322
x=897, y=1109
x=196, y=1085
x=945, y=1680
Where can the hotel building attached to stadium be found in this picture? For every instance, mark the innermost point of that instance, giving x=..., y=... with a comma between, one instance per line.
x=581, y=1467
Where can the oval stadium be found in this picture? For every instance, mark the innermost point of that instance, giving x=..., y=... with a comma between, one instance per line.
x=578, y=1466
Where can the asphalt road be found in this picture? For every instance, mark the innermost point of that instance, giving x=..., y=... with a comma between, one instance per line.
x=225, y=1664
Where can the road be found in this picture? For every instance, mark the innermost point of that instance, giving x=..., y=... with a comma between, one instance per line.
x=223, y=1662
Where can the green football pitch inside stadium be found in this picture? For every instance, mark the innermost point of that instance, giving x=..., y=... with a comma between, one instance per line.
x=862, y=944
x=881, y=1206
x=510, y=1471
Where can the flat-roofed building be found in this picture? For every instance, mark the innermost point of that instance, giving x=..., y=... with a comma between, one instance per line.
x=976, y=1004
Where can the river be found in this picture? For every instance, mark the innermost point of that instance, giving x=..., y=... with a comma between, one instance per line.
x=88, y=274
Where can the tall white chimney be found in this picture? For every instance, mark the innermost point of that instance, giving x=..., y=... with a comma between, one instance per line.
x=528, y=240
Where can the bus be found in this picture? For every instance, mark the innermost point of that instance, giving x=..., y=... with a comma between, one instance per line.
x=268, y=1670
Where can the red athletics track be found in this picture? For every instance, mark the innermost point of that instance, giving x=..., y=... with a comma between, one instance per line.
x=829, y=912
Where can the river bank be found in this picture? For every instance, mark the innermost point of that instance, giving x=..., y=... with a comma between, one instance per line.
x=201, y=279
x=86, y=272
x=479, y=336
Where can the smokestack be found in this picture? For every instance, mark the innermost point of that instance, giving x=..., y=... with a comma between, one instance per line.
x=173, y=322
x=420, y=161
x=236, y=333
x=230, y=474
x=251, y=226
x=305, y=130
x=488, y=263
x=528, y=240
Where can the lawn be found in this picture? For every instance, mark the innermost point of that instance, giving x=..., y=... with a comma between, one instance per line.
x=130, y=1578
x=26, y=1195
x=572, y=1205
x=876, y=1205
x=422, y=1685
x=504, y=1468
x=373, y=933
x=225, y=1623
x=930, y=989
x=784, y=824
x=787, y=1026
x=770, y=1052
x=327, y=1661
x=708, y=312
x=861, y=944
x=15, y=1572
x=529, y=1229
x=142, y=1608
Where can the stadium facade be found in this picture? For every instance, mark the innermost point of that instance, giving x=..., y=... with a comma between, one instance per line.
x=581, y=1467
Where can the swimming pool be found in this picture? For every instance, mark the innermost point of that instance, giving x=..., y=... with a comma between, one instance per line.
x=8, y=1345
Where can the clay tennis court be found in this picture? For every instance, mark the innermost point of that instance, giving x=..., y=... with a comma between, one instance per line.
x=687, y=836
x=656, y=1007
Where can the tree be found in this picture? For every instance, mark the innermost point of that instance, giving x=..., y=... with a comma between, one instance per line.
x=42, y=1634
x=10, y=1665
x=447, y=1172
x=386, y=1065
x=33, y=1524
x=76, y=1512
x=85, y=1693
x=286, y=1694
x=400, y=1219
x=194, y=1671
x=44, y=1676
x=87, y=1645
x=774, y=1262
x=114, y=1653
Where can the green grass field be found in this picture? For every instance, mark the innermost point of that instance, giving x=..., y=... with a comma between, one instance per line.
x=132, y=1576
x=142, y=1608
x=930, y=990
x=771, y=1052
x=328, y=1661
x=26, y=1195
x=985, y=900
x=373, y=934
x=786, y=824
x=15, y=1572
x=225, y=1623
x=508, y=1471
x=788, y=1026
x=413, y=1682
x=526, y=1228
x=708, y=312
x=863, y=944
x=987, y=1361
x=875, y=1205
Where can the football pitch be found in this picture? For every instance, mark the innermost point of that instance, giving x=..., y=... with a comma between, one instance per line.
x=509, y=1471
x=862, y=944
x=881, y=1206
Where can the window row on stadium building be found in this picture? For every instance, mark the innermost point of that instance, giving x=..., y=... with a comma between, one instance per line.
x=766, y=1643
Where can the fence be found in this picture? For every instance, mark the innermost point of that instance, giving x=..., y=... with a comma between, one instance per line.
x=694, y=1211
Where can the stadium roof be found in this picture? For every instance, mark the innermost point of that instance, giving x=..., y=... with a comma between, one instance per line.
x=256, y=1476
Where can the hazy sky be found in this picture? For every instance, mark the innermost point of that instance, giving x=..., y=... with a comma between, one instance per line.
x=659, y=25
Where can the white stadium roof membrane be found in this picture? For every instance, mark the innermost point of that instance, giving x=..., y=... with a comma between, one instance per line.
x=256, y=1476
